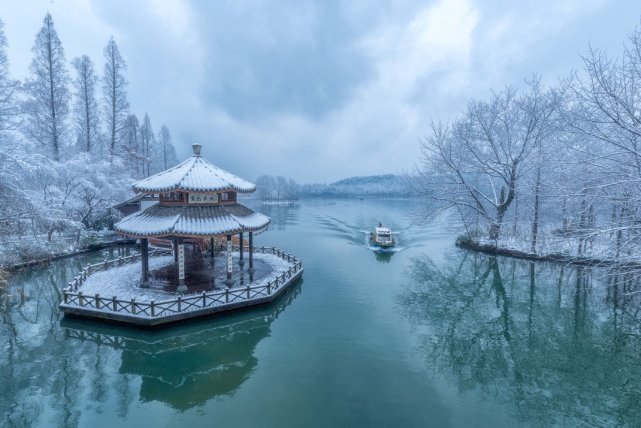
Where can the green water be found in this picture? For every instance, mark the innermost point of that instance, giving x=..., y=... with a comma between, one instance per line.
x=429, y=335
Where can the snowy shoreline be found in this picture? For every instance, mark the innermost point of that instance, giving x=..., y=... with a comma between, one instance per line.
x=62, y=255
x=502, y=250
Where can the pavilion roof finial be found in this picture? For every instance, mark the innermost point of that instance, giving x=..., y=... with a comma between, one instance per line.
x=196, y=148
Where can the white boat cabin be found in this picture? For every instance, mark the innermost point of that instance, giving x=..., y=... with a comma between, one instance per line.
x=383, y=235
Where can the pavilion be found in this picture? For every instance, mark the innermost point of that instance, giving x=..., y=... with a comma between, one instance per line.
x=197, y=208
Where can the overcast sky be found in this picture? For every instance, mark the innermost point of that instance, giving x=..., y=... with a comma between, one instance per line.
x=323, y=90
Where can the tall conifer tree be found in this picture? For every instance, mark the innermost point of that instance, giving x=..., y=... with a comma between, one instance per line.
x=47, y=104
x=114, y=88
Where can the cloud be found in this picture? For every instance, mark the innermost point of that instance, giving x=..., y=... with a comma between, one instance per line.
x=291, y=58
x=319, y=90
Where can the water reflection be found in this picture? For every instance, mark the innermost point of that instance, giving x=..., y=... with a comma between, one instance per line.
x=57, y=376
x=37, y=367
x=187, y=365
x=282, y=215
x=559, y=344
x=383, y=256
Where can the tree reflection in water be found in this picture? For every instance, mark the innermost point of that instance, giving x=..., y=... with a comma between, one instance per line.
x=41, y=374
x=282, y=215
x=560, y=344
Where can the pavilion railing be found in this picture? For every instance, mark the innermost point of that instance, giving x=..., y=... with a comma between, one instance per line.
x=184, y=303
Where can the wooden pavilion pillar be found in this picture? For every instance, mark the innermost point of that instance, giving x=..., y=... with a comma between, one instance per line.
x=241, y=262
x=229, y=281
x=144, y=261
x=251, y=256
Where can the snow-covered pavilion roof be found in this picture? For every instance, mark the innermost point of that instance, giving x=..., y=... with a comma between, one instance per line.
x=194, y=175
x=193, y=221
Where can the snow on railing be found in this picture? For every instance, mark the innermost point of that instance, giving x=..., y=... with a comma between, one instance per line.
x=181, y=304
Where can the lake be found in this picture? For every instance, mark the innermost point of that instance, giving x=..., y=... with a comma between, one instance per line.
x=427, y=335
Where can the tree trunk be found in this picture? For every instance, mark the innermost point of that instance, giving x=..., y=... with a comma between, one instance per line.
x=535, y=221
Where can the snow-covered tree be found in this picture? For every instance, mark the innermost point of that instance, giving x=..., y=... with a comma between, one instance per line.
x=277, y=189
x=265, y=185
x=479, y=159
x=86, y=116
x=9, y=108
x=114, y=86
x=293, y=190
x=47, y=104
x=605, y=115
x=49, y=196
x=147, y=143
x=166, y=147
x=131, y=150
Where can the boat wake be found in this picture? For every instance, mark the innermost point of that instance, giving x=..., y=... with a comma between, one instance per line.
x=357, y=235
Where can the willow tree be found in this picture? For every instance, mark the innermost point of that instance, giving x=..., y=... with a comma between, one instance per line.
x=47, y=103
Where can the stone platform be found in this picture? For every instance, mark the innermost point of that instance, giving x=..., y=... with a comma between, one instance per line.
x=111, y=290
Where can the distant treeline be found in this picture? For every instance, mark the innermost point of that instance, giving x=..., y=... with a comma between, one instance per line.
x=388, y=185
x=277, y=189
x=282, y=189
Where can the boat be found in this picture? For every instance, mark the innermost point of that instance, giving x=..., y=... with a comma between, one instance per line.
x=382, y=237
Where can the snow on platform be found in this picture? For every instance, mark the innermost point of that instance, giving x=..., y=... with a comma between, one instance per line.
x=124, y=281
x=111, y=291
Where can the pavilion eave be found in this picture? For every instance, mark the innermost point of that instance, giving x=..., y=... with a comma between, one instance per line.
x=192, y=221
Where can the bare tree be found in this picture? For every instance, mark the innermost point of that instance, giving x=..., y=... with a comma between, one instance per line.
x=9, y=109
x=606, y=112
x=166, y=146
x=86, y=117
x=147, y=142
x=114, y=87
x=281, y=187
x=265, y=186
x=130, y=146
x=47, y=105
x=478, y=160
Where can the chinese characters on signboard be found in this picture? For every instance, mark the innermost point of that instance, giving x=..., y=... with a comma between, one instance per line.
x=229, y=262
x=181, y=261
x=203, y=198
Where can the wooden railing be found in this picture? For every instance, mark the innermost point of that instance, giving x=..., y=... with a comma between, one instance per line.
x=74, y=297
x=179, y=341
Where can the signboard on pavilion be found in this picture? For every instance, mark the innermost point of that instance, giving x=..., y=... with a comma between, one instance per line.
x=203, y=198
x=181, y=261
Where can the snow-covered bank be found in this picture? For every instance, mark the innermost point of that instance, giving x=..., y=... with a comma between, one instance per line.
x=31, y=253
x=508, y=249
